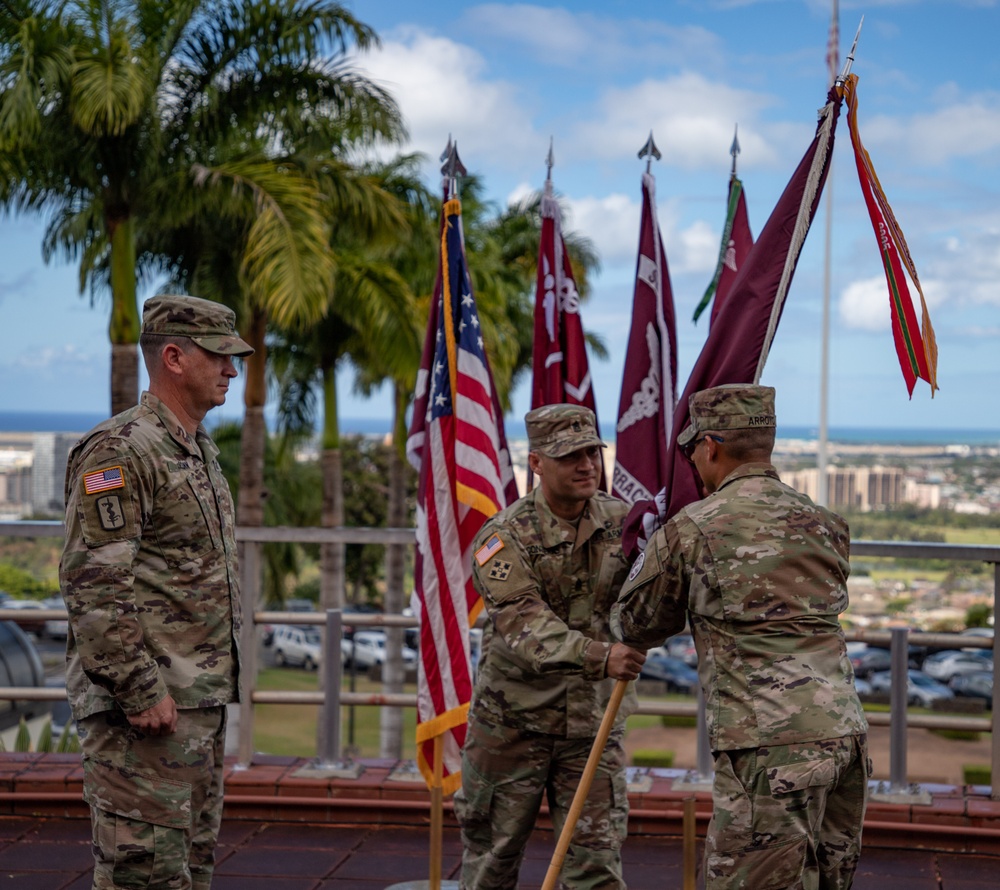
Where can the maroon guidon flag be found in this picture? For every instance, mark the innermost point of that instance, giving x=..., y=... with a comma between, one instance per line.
x=645, y=430
x=559, y=368
x=739, y=340
x=457, y=443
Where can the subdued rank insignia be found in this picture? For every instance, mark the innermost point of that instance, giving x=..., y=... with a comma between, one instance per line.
x=110, y=513
x=500, y=570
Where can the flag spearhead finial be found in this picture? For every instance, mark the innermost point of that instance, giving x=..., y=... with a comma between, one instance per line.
x=850, y=56
x=734, y=149
x=650, y=151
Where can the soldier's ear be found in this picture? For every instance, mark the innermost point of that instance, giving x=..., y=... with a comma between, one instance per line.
x=534, y=462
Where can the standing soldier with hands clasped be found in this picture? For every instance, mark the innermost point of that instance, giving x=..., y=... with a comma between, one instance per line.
x=761, y=573
x=549, y=568
x=149, y=576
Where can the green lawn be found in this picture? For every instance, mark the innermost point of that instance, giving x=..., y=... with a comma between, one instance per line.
x=291, y=729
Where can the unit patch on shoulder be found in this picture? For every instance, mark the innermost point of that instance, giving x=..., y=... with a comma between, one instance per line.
x=500, y=570
x=110, y=513
x=492, y=547
x=637, y=565
x=103, y=480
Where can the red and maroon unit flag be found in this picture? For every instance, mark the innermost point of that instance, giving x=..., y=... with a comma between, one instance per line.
x=457, y=443
x=559, y=368
x=649, y=383
x=916, y=346
x=738, y=342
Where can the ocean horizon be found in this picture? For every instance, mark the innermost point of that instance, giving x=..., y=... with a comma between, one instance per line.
x=81, y=421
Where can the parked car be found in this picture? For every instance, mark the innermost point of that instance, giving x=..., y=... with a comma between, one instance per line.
x=921, y=690
x=682, y=646
x=679, y=676
x=297, y=645
x=870, y=660
x=368, y=647
x=949, y=663
x=976, y=684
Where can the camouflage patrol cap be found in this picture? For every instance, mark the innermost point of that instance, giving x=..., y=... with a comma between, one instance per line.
x=211, y=325
x=732, y=406
x=558, y=430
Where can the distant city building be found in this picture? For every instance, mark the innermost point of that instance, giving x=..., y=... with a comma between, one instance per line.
x=862, y=488
x=49, y=470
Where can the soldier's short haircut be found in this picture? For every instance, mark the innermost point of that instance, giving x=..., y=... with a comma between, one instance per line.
x=752, y=443
x=152, y=345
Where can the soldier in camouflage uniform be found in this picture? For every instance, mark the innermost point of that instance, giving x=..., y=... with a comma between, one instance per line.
x=149, y=576
x=761, y=573
x=549, y=567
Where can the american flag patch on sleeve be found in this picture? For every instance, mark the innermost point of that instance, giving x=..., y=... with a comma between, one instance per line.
x=493, y=545
x=103, y=480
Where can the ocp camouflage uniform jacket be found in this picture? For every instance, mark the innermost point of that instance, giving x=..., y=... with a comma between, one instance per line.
x=548, y=589
x=149, y=569
x=762, y=573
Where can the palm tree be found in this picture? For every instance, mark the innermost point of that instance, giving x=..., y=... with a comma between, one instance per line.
x=113, y=113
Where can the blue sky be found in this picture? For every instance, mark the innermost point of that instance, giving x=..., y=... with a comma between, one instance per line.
x=504, y=78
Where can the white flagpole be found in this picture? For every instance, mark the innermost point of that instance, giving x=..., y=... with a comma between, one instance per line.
x=822, y=488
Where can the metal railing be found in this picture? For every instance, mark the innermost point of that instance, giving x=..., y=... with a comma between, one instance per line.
x=333, y=697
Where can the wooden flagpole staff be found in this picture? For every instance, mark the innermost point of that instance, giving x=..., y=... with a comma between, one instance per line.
x=580, y=798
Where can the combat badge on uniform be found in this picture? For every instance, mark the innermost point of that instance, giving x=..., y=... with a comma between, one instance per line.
x=500, y=570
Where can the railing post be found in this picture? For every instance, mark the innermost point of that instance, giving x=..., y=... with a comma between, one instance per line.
x=250, y=596
x=898, y=701
x=329, y=749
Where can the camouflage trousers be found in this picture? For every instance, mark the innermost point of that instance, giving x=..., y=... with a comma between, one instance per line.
x=788, y=817
x=506, y=773
x=155, y=801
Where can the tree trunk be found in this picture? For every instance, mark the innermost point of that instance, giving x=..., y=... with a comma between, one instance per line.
x=391, y=726
x=332, y=581
x=124, y=376
x=250, y=501
x=123, y=328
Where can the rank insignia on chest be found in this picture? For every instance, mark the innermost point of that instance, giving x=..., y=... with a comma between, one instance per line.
x=500, y=570
x=103, y=480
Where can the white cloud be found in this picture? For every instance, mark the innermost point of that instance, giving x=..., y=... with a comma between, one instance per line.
x=864, y=305
x=957, y=127
x=690, y=117
x=65, y=358
x=583, y=40
x=442, y=88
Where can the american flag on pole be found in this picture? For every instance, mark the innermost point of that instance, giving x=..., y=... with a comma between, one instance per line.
x=649, y=380
x=457, y=443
